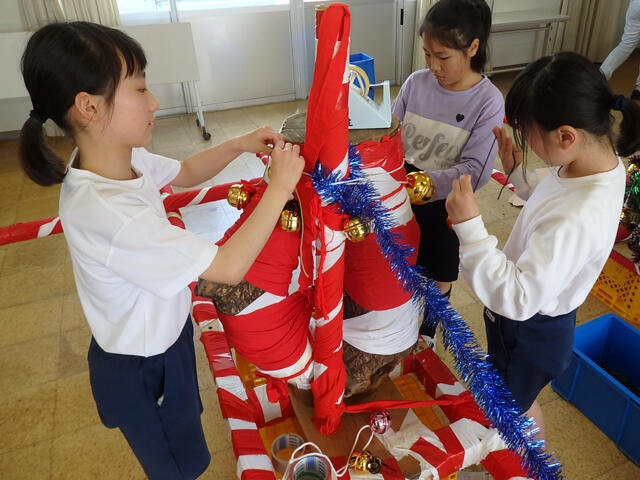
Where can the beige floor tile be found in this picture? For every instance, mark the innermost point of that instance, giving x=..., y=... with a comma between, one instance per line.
x=73, y=346
x=29, y=364
x=205, y=377
x=72, y=314
x=94, y=452
x=12, y=184
x=547, y=395
x=271, y=115
x=68, y=280
x=215, y=427
x=24, y=287
x=8, y=215
x=180, y=152
x=222, y=466
x=590, y=309
x=26, y=417
x=75, y=407
x=29, y=463
x=28, y=321
x=461, y=297
x=34, y=254
x=498, y=210
x=626, y=471
x=9, y=157
x=583, y=449
x=173, y=131
x=36, y=209
x=33, y=191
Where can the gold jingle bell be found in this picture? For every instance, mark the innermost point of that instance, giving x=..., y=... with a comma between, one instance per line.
x=290, y=217
x=359, y=461
x=375, y=465
x=632, y=168
x=237, y=196
x=419, y=187
x=356, y=229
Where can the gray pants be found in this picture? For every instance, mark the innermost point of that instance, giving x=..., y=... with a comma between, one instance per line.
x=628, y=42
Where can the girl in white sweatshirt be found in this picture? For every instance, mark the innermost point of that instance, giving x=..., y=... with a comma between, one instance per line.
x=560, y=107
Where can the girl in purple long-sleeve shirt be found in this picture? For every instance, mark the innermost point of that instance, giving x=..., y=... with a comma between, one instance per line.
x=447, y=113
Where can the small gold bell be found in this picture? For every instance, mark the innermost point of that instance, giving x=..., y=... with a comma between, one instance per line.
x=360, y=460
x=632, y=168
x=290, y=217
x=356, y=229
x=237, y=196
x=419, y=187
x=375, y=465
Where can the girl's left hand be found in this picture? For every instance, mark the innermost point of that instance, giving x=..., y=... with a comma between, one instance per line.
x=261, y=140
x=461, y=203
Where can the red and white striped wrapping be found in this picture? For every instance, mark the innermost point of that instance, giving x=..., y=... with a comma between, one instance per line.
x=500, y=177
x=326, y=141
x=391, y=312
x=20, y=232
x=440, y=383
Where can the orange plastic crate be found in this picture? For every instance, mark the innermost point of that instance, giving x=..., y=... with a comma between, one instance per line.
x=619, y=287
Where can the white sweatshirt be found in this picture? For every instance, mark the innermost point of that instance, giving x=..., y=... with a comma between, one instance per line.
x=557, y=247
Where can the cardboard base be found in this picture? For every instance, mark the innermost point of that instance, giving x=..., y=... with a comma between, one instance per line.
x=339, y=444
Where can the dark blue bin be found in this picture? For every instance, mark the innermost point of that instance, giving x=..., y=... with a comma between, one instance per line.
x=609, y=342
x=365, y=62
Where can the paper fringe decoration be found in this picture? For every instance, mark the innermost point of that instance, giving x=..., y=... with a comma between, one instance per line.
x=356, y=196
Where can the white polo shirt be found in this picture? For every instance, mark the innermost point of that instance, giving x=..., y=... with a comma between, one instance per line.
x=132, y=267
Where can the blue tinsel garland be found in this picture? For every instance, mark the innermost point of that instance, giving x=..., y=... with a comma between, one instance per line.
x=357, y=197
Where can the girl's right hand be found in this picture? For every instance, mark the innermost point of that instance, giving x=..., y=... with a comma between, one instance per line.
x=510, y=155
x=286, y=166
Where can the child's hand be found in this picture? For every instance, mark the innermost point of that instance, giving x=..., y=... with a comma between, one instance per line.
x=510, y=155
x=261, y=140
x=286, y=166
x=461, y=203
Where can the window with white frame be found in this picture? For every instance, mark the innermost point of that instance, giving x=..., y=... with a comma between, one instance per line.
x=151, y=6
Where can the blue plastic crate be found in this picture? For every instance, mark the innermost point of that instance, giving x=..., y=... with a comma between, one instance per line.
x=613, y=343
x=365, y=62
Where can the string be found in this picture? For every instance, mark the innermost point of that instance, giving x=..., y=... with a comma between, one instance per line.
x=509, y=175
x=486, y=160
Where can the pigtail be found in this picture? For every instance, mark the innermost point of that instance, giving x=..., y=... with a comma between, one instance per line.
x=628, y=141
x=38, y=161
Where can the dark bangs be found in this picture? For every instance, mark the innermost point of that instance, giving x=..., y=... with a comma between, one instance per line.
x=110, y=52
x=455, y=23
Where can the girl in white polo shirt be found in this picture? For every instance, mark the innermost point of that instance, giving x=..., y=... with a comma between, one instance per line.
x=131, y=266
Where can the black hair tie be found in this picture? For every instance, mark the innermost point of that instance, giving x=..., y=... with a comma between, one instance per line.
x=36, y=116
x=617, y=102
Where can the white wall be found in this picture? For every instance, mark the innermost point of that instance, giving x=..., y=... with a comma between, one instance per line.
x=520, y=47
x=10, y=16
x=244, y=59
x=13, y=112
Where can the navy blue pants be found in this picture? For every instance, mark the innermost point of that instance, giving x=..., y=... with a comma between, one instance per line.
x=530, y=353
x=156, y=404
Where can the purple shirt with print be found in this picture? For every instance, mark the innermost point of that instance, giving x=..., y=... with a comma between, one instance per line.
x=448, y=133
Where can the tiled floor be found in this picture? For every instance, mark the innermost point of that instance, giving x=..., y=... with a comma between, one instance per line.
x=49, y=427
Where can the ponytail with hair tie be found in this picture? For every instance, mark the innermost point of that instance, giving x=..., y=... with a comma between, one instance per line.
x=617, y=102
x=36, y=116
